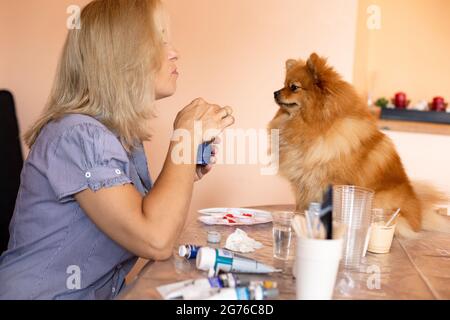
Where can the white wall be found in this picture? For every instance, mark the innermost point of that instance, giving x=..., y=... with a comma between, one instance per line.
x=425, y=156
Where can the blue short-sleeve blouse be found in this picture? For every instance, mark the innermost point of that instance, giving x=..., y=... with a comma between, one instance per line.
x=55, y=251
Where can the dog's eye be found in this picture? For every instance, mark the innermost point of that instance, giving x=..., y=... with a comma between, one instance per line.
x=294, y=88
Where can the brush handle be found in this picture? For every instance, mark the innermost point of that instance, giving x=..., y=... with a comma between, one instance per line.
x=299, y=225
x=393, y=218
x=327, y=213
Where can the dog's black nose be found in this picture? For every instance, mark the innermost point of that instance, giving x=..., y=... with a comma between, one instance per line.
x=276, y=94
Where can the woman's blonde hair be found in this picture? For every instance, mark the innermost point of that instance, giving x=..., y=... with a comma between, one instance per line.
x=107, y=69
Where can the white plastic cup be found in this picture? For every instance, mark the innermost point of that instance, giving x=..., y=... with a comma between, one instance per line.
x=316, y=267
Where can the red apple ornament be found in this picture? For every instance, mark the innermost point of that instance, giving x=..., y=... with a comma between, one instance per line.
x=438, y=104
x=400, y=100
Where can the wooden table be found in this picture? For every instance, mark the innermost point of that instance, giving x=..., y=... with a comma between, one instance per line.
x=415, y=268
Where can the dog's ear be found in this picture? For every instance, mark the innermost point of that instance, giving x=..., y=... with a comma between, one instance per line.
x=317, y=66
x=290, y=63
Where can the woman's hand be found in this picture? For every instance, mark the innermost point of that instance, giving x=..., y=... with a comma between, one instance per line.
x=212, y=118
x=150, y=226
x=201, y=171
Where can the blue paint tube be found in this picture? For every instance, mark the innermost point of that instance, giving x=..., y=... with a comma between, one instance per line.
x=204, y=154
x=188, y=251
x=223, y=260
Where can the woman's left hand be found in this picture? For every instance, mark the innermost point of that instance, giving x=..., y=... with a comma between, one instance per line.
x=201, y=171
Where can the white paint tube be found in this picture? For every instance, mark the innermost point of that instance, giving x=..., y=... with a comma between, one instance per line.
x=200, y=288
x=244, y=293
x=226, y=261
x=191, y=289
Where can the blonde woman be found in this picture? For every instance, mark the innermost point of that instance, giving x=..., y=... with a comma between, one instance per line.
x=86, y=207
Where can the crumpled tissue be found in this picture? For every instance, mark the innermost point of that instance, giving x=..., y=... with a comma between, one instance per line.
x=239, y=241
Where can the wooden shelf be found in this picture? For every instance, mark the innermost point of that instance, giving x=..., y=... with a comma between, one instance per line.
x=410, y=126
x=416, y=127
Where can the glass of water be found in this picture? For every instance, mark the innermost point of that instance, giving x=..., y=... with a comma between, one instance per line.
x=283, y=237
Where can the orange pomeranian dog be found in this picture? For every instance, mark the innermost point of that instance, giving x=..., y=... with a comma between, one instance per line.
x=328, y=137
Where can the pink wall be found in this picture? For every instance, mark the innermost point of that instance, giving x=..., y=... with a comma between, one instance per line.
x=232, y=52
x=32, y=34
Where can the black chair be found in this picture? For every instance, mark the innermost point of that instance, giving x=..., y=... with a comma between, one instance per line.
x=11, y=162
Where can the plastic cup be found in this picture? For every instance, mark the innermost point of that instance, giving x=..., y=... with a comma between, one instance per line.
x=352, y=207
x=316, y=267
x=283, y=238
x=381, y=236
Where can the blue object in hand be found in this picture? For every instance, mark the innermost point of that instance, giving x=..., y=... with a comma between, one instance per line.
x=204, y=154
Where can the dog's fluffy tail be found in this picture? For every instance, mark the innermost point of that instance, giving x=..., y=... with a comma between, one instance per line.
x=430, y=198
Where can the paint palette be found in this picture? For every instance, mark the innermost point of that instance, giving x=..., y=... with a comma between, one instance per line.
x=234, y=216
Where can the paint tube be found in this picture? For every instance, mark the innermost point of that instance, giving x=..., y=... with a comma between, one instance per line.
x=188, y=251
x=204, y=154
x=244, y=293
x=200, y=288
x=223, y=260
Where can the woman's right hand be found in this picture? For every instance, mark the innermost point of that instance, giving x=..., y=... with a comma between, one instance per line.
x=149, y=226
x=211, y=117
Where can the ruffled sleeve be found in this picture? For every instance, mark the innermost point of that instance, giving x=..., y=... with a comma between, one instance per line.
x=86, y=156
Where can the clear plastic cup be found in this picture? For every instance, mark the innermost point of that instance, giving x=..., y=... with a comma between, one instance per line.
x=352, y=207
x=283, y=235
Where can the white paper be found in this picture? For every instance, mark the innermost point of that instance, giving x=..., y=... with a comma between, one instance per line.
x=239, y=241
